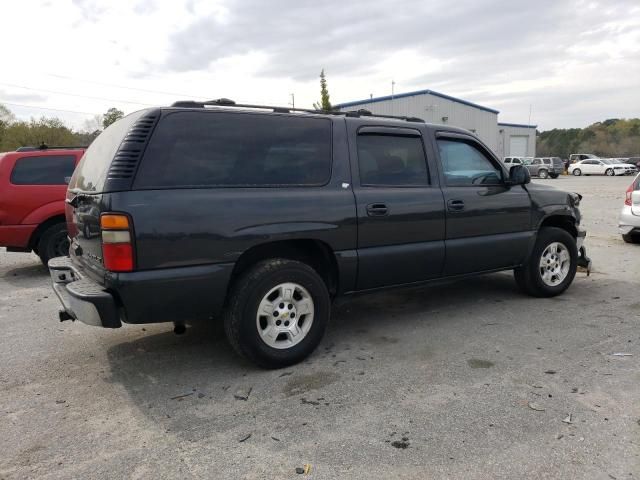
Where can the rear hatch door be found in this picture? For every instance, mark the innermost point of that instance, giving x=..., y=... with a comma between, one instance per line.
x=107, y=167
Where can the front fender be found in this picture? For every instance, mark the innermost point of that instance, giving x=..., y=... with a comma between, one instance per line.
x=548, y=211
x=45, y=212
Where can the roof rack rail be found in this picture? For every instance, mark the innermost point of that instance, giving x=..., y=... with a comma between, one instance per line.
x=226, y=102
x=47, y=147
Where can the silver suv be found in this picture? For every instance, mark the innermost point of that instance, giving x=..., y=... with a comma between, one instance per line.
x=543, y=167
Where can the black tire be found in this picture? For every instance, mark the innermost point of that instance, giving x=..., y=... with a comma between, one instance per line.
x=553, y=175
x=543, y=173
x=240, y=317
x=577, y=172
x=529, y=278
x=54, y=242
x=631, y=238
x=609, y=172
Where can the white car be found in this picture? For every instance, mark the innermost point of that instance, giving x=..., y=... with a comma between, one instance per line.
x=598, y=166
x=629, y=223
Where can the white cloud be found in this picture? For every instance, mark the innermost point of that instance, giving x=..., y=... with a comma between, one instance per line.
x=574, y=61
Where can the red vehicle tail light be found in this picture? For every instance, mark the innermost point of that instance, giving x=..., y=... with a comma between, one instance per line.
x=117, y=248
x=627, y=197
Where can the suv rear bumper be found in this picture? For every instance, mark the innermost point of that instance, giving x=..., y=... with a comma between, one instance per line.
x=82, y=298
x=152, y=296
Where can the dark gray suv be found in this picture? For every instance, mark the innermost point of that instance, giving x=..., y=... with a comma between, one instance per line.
x=261, y=216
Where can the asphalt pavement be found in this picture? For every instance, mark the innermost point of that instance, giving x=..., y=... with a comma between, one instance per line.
x=462, y=380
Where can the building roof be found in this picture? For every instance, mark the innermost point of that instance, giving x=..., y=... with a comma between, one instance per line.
x=414, y=94
x=516, y=125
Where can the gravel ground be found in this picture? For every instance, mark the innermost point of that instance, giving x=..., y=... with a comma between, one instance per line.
x=463, y=380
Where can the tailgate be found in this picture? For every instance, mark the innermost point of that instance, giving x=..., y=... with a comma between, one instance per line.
x=83, y=224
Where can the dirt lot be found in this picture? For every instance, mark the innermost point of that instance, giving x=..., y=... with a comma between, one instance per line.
x=465, y=380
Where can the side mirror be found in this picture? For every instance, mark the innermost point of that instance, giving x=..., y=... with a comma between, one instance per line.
x=519, y=175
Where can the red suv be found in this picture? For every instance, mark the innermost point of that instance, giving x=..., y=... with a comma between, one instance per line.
x=33, y=185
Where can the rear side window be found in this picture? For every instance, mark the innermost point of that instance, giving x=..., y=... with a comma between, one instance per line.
x=191, y=149
x=45, y=170
x=391, y=160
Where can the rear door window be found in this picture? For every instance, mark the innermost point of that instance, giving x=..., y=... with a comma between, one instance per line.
x=193, y=149
x=43, y=170
x=392, y=160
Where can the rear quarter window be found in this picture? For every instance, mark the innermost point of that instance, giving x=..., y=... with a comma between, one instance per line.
x=91, y=174
x=43, y=170
x=194, y=149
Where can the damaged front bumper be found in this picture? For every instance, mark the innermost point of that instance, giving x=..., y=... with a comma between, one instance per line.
x=583, y=260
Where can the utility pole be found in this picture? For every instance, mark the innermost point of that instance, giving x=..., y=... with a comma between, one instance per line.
x=293, y=100
x=530, y=107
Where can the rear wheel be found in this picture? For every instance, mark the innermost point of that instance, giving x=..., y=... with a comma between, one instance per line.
x=609, y=172
x=553, y=175
x=577, y=172
x=277, y=313
x=53, y=242
x=552, y=265
x=542, y=173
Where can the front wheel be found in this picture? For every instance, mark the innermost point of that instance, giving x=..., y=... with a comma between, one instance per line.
x=577, y=172
x=609, y=172
x=277, y=313
x=543, y=174
x=552, y=265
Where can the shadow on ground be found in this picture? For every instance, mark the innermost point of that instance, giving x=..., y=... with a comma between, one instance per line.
x=190, y=383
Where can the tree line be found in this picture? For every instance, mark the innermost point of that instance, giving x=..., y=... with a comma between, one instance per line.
x=50, y=131
x=614, y=137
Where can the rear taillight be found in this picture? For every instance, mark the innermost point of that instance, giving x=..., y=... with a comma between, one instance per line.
x=117, y=248
x=627, y=196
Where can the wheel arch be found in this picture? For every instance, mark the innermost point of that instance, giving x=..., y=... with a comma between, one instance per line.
x=317, y=254
x=563, y=221
x=37, y=233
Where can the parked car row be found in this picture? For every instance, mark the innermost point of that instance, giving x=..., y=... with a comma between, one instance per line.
x=579, y=164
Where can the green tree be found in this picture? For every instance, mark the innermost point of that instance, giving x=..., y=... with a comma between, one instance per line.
x=112, y=115
x=324, y=103
x=6, y=116
x=51, y=131
x=612, y=137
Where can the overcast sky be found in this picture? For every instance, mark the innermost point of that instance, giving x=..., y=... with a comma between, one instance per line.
x=575, y=62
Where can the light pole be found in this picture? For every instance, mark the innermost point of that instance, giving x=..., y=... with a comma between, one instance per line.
x=393, y=84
